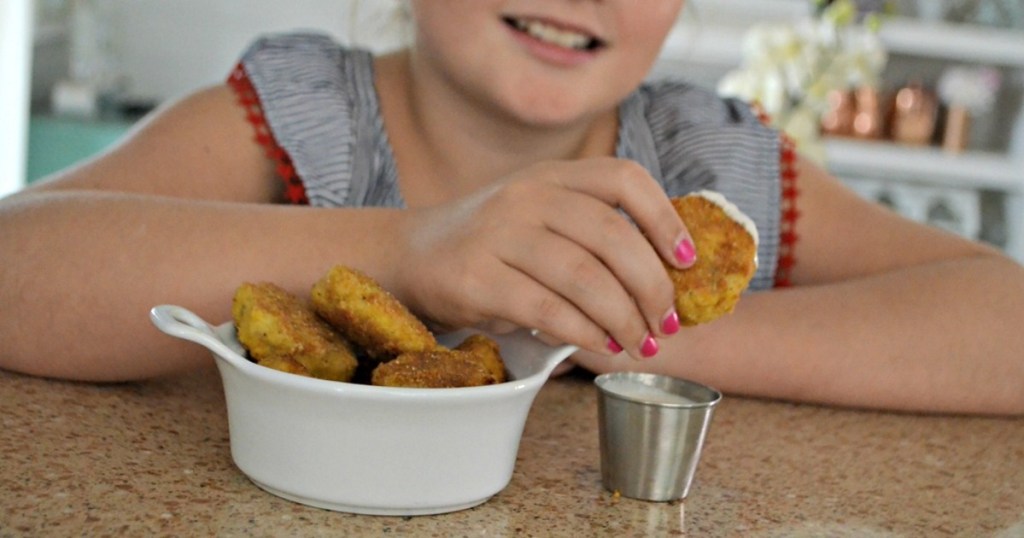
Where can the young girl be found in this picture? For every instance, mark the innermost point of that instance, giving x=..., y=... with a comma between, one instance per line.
x=481, y=176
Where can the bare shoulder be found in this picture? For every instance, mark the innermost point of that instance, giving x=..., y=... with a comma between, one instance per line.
x=200, y=146
x=841, y=235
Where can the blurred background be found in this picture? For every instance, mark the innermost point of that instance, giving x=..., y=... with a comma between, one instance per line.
x=916, y=104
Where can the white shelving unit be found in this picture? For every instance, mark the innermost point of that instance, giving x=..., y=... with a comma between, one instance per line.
x=708, y=47
x=915, y=180
x=930, y=165
x=964, y=174
x=15, y=67
x=954, y=42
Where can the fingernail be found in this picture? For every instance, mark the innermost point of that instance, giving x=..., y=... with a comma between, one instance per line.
x=614, y=346
x=670, y=323
x=685, y=252
x=649, y=347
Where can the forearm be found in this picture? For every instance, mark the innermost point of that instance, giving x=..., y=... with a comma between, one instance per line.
x=82, y=269
x=925, y=338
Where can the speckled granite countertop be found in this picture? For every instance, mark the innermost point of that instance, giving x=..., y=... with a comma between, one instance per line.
x=152, y=459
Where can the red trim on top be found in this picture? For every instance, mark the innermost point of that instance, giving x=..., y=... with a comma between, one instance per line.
x=787, y=225
x=787, y=204
x=239, y=81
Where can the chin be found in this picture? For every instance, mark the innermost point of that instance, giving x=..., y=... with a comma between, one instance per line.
x=556, y=110
x=553, y=119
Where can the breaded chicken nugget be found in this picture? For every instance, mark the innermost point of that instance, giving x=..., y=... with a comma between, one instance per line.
x=368, y=315
x=281, y=332
x=486, y=352
x=726, y=242
x=433, y=369
x=285, y=364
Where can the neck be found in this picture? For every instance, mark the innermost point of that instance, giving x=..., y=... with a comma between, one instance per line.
x=447, y=144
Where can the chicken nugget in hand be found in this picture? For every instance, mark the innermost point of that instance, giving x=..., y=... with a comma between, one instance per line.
x=726, y=242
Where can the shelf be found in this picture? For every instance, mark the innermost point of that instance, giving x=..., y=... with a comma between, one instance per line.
x=716, y=43
x=950, y=41
x=975, y=170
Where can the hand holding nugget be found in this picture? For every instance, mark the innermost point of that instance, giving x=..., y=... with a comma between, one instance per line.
x=548, y=248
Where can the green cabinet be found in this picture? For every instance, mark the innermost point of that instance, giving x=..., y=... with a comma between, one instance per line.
x=56, y=143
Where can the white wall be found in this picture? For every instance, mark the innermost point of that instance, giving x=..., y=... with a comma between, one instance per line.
x=169, y=47
x=166, y=48
x=15, y=72
x=707, y=41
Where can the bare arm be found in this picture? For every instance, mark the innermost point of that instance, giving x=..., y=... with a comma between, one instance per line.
x=885, y=314
x=892, y=315
x=179, y=213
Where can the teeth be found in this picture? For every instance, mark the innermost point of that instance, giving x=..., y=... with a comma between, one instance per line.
x=555, y=36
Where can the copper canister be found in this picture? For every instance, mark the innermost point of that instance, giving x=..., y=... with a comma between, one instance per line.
x=914, y=115
x=868, y=121
x=838, y=118
x=958, y=129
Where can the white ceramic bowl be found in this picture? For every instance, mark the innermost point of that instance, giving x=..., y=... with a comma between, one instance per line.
x=372, y=450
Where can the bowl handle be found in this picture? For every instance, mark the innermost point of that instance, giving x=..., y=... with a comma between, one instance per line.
x=183, y=323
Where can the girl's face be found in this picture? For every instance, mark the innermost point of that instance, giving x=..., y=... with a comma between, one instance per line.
x=542, y=62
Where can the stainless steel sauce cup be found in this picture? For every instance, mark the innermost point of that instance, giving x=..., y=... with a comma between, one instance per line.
x=652, y=430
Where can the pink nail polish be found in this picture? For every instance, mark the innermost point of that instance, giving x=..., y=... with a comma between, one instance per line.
x=649, y=347
x=670, y=325
x=685, y=252
x=614, y=346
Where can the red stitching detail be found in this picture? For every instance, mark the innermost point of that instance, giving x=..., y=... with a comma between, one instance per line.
x=239, y=81
x=787, y=226
x=787, y=204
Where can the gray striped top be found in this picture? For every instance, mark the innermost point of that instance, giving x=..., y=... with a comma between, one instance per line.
x=320, y=103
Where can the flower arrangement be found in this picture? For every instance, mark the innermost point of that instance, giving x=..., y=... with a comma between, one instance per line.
x=971, y=87
x=789, y=69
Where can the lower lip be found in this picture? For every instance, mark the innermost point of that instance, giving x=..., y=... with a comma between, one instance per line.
x=552, y=54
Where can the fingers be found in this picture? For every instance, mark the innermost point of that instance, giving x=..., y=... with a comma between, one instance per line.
x=550, y=249
x=612, y=273
x=527, y=292
x=586, y=283
x=487, y=293
x=599, y=262
x=536, y=306
x=628, y=185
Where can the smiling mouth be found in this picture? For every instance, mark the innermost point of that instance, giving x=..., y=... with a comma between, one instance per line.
x=553, y=35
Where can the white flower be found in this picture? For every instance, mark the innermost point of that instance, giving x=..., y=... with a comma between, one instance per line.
x=790, y=69
x=762, y=85
x=974, y=88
